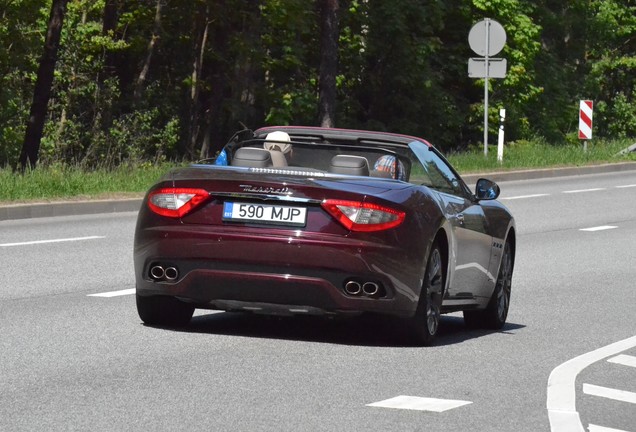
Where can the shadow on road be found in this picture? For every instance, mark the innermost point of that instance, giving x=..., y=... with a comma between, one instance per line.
x=365, y=330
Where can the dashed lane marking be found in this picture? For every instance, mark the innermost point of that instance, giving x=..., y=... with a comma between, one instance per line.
x=566, y=192
x=114, y=293
x=609, y=393
x=73, y=239
x=599, y=228
x=523, y=196
x=419, y=403
x=583, y=190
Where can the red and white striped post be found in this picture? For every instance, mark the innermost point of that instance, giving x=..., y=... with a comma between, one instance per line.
x=585, y=121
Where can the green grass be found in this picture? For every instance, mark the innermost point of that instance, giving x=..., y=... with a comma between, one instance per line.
x=57, y=182
x=527, y=155
x=51, y=183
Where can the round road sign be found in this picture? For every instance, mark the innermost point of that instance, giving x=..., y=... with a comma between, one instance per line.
x=487, y=37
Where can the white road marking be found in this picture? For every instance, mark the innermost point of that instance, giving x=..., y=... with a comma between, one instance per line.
x=419, y=403
x=523, y=196
x=626, y=186
x=561, y=400
x=595, y=428
x=609, y=393
x=583, y=190
x=599, y=228
x=624, y=359
x=51, y=241
x=114, y=293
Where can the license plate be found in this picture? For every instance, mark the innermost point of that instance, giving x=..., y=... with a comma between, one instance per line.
x=265, y=213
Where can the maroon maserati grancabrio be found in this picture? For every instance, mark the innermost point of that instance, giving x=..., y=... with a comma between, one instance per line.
x=314, y=221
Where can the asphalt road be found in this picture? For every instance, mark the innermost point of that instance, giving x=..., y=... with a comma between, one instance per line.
x=74, y=361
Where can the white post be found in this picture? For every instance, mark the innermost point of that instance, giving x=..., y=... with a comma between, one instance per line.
x=486, y=88
x=500, y=143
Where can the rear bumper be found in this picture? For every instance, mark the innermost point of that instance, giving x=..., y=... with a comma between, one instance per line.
x=277, y=275
x=269, y=293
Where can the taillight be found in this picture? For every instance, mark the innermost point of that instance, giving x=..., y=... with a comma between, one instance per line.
x=361, y=216
x=176, y=202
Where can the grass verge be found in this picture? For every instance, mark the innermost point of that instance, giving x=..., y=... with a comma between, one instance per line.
x=529, y=155
x=54, y=183
x=60, y=182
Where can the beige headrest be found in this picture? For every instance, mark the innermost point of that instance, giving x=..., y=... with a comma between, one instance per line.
x=276, y=141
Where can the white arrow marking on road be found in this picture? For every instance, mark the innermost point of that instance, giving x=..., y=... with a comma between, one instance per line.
x=114, y=293
x=595, y=428
x=51, y=241
x=609, y=393
x=561, y=401
x=599, y=228
x=624, y=359
x=419, y=403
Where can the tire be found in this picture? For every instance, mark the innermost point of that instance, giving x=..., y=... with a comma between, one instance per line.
x=164, y=311
x=423, y=326
x=495, y=315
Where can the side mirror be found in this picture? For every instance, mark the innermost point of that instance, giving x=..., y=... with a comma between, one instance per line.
x=486, y=189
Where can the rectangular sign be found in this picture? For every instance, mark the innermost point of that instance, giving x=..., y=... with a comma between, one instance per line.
x=264, y=213
x=496, y=67
x=585, y=119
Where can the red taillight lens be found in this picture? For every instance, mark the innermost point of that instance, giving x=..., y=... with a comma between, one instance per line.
x=361, y=216
x=176, y=202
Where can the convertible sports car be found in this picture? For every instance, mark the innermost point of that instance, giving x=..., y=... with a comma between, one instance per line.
x=314, y=221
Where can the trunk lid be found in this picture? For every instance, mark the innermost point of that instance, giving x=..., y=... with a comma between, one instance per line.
x=279, y=199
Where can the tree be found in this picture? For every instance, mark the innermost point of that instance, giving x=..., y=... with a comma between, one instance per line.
x=156, y=35
x=610, y=61
x=42, y=91
x=328, y=62
x=20, y=50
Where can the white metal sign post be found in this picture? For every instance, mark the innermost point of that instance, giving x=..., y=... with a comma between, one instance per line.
x=487, y=38
x=500, y=141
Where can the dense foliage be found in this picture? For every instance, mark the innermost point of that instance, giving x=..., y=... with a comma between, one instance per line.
x=152, y=80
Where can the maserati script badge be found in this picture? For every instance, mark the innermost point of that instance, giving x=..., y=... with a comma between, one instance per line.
x=265, y=190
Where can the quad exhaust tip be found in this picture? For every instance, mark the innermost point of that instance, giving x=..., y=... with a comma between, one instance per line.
x=171, y=273
x=353, y=288
x=368, y=289
x=158, y=273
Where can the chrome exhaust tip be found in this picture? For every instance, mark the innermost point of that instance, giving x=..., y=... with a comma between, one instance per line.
x=353, y=288
x=370, y=288
x=157, y=272
x=171, y=273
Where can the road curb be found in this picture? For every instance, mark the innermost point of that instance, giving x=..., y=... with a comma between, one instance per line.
x=550, y=172
x=70, y=208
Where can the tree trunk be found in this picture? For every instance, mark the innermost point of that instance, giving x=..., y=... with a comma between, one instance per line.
x=141, y=79
x=43, y=84
x=201, y=27
x=328, y=62
x=110, y=19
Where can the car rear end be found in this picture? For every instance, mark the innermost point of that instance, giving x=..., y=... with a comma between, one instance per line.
x=273, y=242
